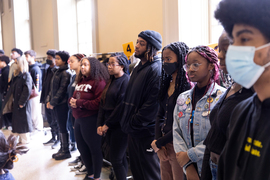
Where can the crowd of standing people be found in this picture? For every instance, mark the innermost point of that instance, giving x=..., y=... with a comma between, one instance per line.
x=184, y=113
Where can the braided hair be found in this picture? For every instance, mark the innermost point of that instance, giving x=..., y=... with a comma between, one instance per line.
x=8, y=151
x=211, y=56
x=181, y=83
x=122, y=60
x=150, y=52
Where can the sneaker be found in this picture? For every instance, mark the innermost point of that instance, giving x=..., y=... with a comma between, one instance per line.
x=76, y=168
x=87, y=177
x=81, y=171
x=55, y=144
x=49, y=143
x=75, y=162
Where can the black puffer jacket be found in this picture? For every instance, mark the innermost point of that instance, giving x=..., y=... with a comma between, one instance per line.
x=59, y=85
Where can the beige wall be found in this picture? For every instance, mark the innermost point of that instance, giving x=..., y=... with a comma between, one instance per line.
x=42, y=26
x=120, y=21
x=8, y=29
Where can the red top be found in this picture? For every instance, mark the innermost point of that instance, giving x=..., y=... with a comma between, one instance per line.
x=88, y=94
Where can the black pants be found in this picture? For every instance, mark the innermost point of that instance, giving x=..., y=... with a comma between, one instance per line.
x=144, y=163
x=89, y=144
x=70, y=125
x=52, y=121
x=118, y=146
x=61, y=113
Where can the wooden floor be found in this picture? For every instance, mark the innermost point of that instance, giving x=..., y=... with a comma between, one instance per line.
x=38, y=164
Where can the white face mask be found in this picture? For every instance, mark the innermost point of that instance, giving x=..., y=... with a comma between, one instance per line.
x=240, y=64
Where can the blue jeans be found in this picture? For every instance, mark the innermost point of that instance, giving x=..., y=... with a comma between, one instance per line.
x=214, y=168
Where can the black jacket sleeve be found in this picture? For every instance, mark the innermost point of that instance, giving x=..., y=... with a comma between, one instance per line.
x=26, y=91
x=113, y=119
x=62, y=90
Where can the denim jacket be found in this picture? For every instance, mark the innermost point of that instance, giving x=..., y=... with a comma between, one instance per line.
x=201, y=123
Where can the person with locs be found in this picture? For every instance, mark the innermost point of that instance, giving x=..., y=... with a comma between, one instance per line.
x=57, y=101
x=107, y=124
x=140, y=106
x=191, y=113
x=36, y=75
x=173, y=83
x=46, y=86
x=246, y=152
x=91, y=82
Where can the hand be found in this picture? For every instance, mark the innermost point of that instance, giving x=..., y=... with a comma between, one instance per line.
x=105, y=128
x=49, y=106
x=191, y=173
x=73, y=103
x=21, y=106
x=162, y=154
x=154, y=146
x=99, y=131
x=182, y=158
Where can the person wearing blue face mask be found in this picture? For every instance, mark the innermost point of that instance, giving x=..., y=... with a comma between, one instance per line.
x=246, y=153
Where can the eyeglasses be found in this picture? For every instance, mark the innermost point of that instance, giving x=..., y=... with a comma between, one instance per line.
x=194, y=67
x=112, y=65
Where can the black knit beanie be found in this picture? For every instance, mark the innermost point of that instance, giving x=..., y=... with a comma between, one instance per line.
x=4, y=58
x=152, y=37
x=64, y=55
x=2, y=51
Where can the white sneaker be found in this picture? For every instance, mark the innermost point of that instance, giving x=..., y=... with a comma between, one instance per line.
x=81, y=171
x=76, y=168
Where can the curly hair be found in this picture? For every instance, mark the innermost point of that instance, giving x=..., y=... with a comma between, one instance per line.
x=8, y=151
x=98, y=71
x=211, y=56
x=181, y=83
x=254, y=13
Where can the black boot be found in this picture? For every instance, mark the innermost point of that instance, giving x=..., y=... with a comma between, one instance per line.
x=64, y=153
x=57, y=141
x=51, y=141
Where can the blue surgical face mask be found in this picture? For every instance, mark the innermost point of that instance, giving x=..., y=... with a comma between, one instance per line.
x=240, y=64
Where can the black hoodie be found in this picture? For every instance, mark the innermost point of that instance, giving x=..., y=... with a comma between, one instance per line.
x=140, y=105
x=36, y=75
x=246, y=153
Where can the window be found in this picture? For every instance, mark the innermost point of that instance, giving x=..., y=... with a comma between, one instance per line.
x=22, y=24
x=197, y=25
x=215, y=29
x=84, y=26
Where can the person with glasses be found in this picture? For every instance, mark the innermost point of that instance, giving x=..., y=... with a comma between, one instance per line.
x=191, y=113
x=108, y=123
